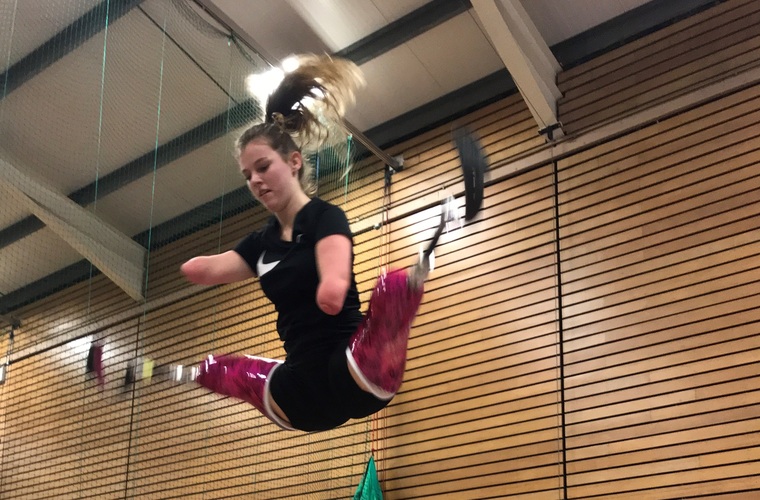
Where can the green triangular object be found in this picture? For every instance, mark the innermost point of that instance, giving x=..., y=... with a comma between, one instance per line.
x=369, y=487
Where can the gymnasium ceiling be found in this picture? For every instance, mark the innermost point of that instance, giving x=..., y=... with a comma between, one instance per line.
x=105, y=133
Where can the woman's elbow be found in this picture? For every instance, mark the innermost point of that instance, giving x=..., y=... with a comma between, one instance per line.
x=331, y=296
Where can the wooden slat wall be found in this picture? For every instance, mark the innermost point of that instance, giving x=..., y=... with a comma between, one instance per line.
x=478, y=411
x=659, y=253
x=162, y=441
x=173, y=442
x=63, y=437
x=661, y=396
x=477, y=415
x=660, y=259
x=701, y=49
x=3, y=349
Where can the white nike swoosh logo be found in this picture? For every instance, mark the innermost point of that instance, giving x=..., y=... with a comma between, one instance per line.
x=262, y=268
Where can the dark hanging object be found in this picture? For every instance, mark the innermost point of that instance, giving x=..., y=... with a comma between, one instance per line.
x=95, y=362
x=473, y=169
x=129, y=376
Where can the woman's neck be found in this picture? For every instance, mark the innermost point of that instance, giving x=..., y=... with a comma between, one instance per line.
x=287, y=216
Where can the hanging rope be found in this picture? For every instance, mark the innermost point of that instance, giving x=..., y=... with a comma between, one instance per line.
x=316, y=171
x=8, y=58
x=139, y=348
x=98, y=154
x=349, y=141
x=100, y=141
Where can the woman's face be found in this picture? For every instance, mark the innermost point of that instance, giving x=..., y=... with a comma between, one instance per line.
x=272, y=179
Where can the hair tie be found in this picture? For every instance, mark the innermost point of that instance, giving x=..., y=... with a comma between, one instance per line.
x=279, y=120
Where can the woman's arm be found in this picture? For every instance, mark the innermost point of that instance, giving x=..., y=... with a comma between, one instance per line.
x=226, y=267
x=334, y=266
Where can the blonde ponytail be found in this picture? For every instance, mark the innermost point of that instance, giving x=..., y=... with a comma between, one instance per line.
x=306, y=109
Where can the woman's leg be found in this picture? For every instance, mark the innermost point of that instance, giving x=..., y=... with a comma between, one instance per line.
x=376, y=353
x=246, y=378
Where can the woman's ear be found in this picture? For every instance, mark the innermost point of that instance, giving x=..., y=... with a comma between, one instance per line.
x=296, y=161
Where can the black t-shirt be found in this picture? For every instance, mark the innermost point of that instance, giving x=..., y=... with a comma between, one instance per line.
x=289, y=277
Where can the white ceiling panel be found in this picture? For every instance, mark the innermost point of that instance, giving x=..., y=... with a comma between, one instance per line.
x=172, y=92
x=138, y=205
x=397, y=82
x=205, y=174
x=393, y=10
x=206, y=42
x=34, y=257
x=194, y=179
x=559, y=20
x=456, y=53
x=24, y=26
x=339, y=23
x=50, y=120
x=443, y=59
x=11, y=210
x=146, y=94
x=272, y=27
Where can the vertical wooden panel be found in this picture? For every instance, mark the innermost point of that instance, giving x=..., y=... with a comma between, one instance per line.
x=65, y=436
x=477, y=414
x=660, y=260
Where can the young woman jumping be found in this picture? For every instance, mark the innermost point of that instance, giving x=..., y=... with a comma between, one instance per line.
x=340, y=364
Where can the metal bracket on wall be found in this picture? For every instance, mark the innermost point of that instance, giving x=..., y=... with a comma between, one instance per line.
x=549, y=131
x=11, y=320
x=15, y=323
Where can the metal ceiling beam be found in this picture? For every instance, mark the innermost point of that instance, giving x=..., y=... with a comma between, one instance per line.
x=526, y=56
x=115, y=254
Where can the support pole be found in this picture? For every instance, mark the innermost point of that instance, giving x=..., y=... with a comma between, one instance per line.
x=526, y=56
x=112, y=252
